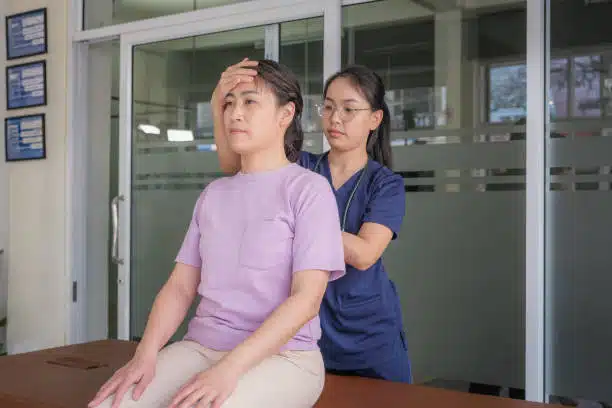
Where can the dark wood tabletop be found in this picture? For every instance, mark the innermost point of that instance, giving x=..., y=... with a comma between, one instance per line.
x=68, y=377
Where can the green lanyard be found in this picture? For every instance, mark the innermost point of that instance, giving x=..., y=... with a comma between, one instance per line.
x=350, y=199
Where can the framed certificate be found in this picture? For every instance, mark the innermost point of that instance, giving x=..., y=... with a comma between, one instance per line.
x=26, y=85
x=26, y=34
x=25, y=138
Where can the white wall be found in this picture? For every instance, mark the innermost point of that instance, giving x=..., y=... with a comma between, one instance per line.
x=38, y=288
x=3, y=201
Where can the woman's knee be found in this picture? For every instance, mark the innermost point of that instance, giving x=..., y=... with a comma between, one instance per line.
x=286, y=380
x=126, y=401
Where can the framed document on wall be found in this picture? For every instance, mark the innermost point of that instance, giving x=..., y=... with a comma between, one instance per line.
x=26, y=85
x=25, y=138
x=26, y=34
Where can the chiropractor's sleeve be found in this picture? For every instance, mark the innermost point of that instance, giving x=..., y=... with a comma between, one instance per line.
x=317, y=242
x=307, y=160
x=387, y=203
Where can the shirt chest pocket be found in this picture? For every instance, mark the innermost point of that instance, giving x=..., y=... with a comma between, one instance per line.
x=266, y=243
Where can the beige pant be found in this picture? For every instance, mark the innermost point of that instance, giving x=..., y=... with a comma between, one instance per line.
x=292, y=379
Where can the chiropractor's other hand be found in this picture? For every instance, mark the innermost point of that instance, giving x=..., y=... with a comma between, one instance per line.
x=230, y=78
x=139, y=371
x=208, y=388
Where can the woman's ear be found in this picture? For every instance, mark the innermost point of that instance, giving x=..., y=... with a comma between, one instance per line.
x=375, y=119
x=288, y=113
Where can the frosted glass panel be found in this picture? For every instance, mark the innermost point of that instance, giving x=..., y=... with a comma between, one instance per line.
x=173, y=82
x=173, y=153
x=579, y=211
x=459, y=142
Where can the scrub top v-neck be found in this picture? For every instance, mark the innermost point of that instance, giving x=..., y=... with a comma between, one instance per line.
x=360, y=314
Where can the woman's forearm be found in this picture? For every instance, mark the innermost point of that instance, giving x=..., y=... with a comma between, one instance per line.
x=356, y=251
x=168, y=312
x=229, y=161
x=365, y=249
x=275, y=331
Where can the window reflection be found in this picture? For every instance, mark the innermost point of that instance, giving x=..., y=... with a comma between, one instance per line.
x=585, y=95
x=587, y=85
x=508, y=93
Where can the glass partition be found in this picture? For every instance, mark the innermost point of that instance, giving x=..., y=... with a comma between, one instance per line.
x=173, y=150
x=579, y=205
x=456, y=88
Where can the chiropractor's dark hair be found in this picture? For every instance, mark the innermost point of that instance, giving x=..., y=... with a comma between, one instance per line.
x=286, y=88
x=372, y=88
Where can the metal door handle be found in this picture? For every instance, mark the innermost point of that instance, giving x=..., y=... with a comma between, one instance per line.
x=115, y=215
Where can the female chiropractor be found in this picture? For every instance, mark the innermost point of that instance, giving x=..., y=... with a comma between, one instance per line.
x=360, y=315
x=260, y=265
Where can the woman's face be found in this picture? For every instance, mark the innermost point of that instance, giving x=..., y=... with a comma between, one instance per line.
x=347, y=116
x=253, y=121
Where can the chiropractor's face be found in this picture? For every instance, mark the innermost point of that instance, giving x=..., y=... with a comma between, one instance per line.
x=251, y=117
x=347, y=116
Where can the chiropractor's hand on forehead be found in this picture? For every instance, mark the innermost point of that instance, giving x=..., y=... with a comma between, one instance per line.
x=242, y=72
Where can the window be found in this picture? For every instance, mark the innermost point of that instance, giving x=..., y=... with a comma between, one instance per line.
x=102, y=13
x=582, y=96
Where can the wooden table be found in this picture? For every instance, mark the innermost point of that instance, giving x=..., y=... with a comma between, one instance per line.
x=68, y=377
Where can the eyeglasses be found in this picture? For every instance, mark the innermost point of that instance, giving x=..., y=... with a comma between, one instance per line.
x=345, y=114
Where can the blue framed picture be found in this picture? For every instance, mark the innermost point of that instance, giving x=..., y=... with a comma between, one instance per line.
x=26, y=85
x=25, y=138
x=26, y=34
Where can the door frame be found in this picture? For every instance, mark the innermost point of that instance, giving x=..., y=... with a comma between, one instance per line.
x=216, y=21
x=78, y=40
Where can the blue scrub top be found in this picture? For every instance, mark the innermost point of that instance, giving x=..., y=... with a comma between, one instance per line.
x=361, y=314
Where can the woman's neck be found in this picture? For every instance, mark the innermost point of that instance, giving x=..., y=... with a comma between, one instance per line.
x=263, y=160
x=347, y=161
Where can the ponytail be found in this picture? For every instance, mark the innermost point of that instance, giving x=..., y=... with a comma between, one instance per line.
x=294, y=138
x=286, y=88
x=379, y=141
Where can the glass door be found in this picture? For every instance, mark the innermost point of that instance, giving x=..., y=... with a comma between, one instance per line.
x=167, y=151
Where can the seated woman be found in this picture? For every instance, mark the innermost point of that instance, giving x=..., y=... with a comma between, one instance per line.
x=260, y=249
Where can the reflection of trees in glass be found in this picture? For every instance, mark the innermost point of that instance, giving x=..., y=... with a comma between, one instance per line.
x=587, y=74
x=582, y=75
x=587, y=85
x=559, y=86
x=507, y=93
x=508, y=87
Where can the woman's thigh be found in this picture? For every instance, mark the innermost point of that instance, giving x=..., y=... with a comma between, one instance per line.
x=292, y=379
x=176, y=364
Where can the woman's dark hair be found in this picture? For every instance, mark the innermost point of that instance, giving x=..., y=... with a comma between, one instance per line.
x=286, y=88
x=372, y=88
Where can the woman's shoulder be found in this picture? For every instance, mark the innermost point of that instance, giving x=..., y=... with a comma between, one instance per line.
x=307, y=181
x=308, y=191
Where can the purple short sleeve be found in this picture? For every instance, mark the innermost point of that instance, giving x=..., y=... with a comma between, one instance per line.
x=189, y=253
x=317, y=242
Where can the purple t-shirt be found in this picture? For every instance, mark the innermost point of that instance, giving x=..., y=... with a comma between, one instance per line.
x=248, y=235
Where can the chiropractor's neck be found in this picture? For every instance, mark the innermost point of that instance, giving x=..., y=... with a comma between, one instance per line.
x=263, y=160
x=347, y=161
